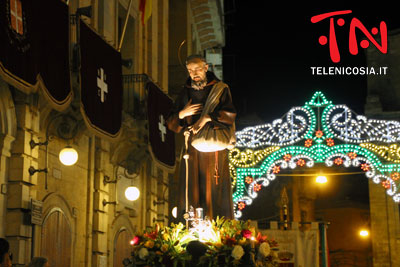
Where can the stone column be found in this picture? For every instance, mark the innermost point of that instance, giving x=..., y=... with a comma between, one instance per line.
x=5, y=153
x=18, y=227
x=101, y=212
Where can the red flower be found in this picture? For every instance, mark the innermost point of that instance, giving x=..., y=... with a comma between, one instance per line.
x=352, y=155
x=365, y=167
x=330, y=142
x=260, y=238
x=338, y=161
x=248, y=179
x=276, y=169
x=246, y=233
x=257, y=187
x=395, y=176
x=241, y=205
x=319, y=133
x=287, y=157
x=152, y=235
x=301, y=162
x=229, y=241
x=308, y=143
x=386, y=184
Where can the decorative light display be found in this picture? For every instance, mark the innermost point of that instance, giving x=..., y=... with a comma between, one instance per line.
x=246, y=159
x=342, y=123
x=301, y=162
x=319, y=133
x=330, y=142
x=318, y=100
x=338, y=161
x=308, y=143
x=249, y=157
x=304, y=137
x=389, y=153
x=352, y=155
x=386, y=184
x=287, y=157
x=276, y=169
x=365, y=167
x=249, y=179
x=241, y=205
x=395, y=176
x=257, y=187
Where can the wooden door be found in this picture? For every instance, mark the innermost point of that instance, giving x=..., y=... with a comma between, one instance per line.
x=56, y=239
x=122, y=247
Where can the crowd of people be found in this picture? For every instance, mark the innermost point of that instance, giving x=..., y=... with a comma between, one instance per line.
x=6, y=257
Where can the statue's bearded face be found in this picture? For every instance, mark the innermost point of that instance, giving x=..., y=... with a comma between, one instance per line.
x=197, y=71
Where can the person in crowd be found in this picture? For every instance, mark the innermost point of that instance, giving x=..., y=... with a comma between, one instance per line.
x=5, y=254
x=39, y=262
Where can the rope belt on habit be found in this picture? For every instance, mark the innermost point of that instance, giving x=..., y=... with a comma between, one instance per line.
x=216, y=175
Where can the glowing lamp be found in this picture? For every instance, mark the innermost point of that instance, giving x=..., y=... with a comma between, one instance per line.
x=175, y=212
x=364, y=233
x=204, y=146
x=132, y=193
x=321, y=179
x=68, y=156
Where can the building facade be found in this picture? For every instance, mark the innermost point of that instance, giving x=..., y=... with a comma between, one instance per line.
x=78, y=215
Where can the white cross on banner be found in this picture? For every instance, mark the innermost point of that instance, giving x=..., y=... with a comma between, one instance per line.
x=162, y=128
x=16, y=15
x=162, y=140
x=102, y=84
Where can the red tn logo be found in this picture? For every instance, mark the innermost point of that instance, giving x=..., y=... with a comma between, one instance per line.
x=353, y=44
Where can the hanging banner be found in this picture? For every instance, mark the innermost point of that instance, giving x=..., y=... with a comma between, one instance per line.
x=55, y=75
x=101, y=83
x=162, y=140
x=34, y=49
x=18, y=64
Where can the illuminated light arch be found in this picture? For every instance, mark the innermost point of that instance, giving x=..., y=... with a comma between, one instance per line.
x=318, y=132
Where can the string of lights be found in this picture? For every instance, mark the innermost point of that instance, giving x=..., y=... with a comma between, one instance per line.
x=303, y=138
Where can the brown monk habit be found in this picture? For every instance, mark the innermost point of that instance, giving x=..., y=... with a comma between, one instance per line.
x=213, y=194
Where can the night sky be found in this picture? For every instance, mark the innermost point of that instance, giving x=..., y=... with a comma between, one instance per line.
x=269, y=52
x=267, y=59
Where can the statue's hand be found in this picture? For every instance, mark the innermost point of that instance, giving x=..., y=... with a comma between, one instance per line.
x=190, y=110
x=200, y=123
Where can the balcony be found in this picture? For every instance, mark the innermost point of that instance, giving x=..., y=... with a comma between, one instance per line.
x=134, y=95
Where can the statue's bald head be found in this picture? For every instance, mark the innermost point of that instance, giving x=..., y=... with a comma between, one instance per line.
x=195, y=59
x=197, y=67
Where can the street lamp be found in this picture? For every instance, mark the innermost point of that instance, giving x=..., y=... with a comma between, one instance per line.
x=321, y=179
x=132, y=193
x=364, y=233
x=68, y=156
x=66, y=129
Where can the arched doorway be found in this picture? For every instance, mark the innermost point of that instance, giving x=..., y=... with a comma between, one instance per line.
x=122, y=247
x=56, y=242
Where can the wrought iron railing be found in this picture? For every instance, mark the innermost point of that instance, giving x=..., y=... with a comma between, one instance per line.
x=134, y=95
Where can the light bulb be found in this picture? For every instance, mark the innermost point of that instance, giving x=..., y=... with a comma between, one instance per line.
x=68, y=156
x=175, y=212
x=321, y=179
x=364, y=233
x=132, y=193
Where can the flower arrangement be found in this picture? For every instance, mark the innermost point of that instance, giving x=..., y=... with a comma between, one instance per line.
x=220, y=242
